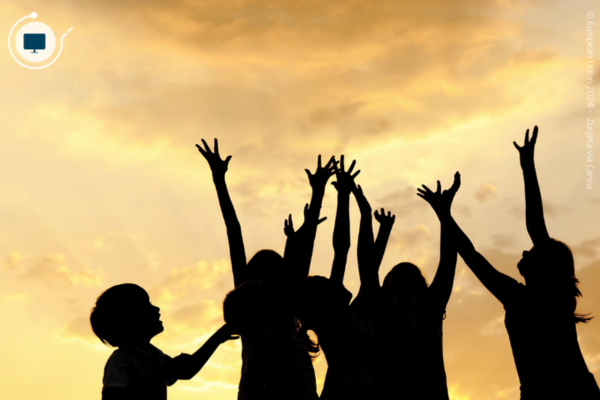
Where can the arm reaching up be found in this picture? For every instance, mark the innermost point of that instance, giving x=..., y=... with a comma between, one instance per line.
x=534, y=211
x=237, y=252
x=367, y=271
x=341, y=230
x=370, y=252
x=386, y=222
x=300, y=244
x=496, y=282
x=441, y=287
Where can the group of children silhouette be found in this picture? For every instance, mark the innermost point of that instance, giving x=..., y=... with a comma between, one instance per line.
x=387, y=343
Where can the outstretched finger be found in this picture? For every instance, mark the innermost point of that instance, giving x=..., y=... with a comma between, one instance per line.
x=216, y=146
x=319, y=161
x=439, y=187
x=534, y=135
x=321, y=220
x=427, y=190
x=517, y=146
x=527, y=136
x=456, y=183
x=355, y=174
x=206, y=148
x=351, y=166
x=201, y=150
x=227, y=159
x=330, y=163
x=342, y=163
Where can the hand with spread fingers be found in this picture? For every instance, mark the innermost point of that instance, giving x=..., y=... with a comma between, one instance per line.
x=385, y=220
x=217, y=165
x=441, y=202
x=526, y=151
x=319, y=179
x=345, y=179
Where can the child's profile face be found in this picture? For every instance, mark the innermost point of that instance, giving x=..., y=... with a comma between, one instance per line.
x=145, y=316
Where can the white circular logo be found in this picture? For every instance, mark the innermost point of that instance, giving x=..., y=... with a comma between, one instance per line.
x=35, y=42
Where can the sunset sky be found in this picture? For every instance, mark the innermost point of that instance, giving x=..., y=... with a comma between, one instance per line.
x=101, y=182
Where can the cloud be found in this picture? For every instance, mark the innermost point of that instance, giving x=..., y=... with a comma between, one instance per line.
x=486, y=193
x=51, y=269
x=198, y=316
x=588, y=248
x=12, y=260
x=78, y=328
x=186, y=281
x=502, y=241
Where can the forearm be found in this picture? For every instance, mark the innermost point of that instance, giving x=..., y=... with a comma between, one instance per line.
x=341, y=237
x=534, y=210
x=367, y=267
x=316, y=202
x=308, y=232
x=237, y=252
x=443, y=281
x=496, y=282
x=188, y=367
x=383, y=236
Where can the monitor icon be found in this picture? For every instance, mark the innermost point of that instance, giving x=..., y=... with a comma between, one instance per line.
x=34, y=41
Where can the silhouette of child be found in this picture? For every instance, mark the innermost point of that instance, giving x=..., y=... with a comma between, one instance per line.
x=124, y=317
x=323, y=306
x=541, y=315
x=268, y=267
x=259, y=316
x=405, y=313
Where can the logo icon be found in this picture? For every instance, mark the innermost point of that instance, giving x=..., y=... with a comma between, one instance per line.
x=35, y=42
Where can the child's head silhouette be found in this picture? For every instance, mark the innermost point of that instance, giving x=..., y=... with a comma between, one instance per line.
x=405, y=281
x=247, y=309
x=266, y=266
x=124, y=315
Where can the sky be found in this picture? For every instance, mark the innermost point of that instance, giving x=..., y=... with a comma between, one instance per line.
x=102, y=184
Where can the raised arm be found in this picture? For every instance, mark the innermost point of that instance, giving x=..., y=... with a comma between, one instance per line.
x=186, y=366
x=534, y=211
x=300, y=244
x=367, y=270
x=341, y=230
x=386, y=222
x=237, y=252
x=496, y=282
x=441, y=287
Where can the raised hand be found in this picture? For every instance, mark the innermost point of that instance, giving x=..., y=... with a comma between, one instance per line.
x=385, y=220
x=441, y=202
x=288, y=224
x=217, y=165
x=526, y=152
x=345, y=179
x=448, y=195
x=319, y=179
x=433, y=198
